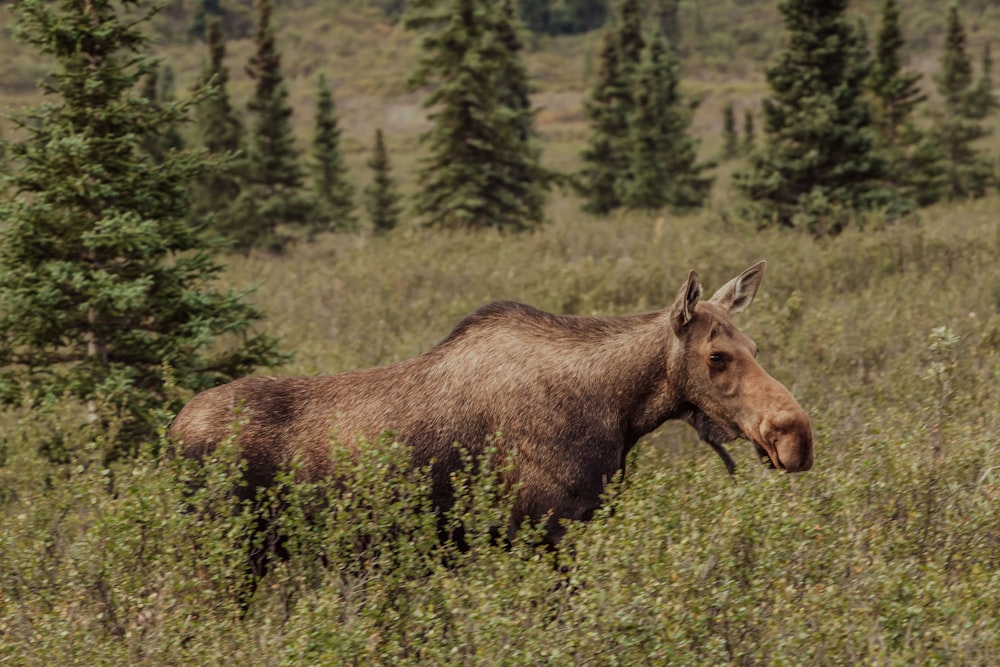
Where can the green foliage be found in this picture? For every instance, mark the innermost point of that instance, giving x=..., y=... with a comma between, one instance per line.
x=885, y=553
x=104, y=287
x=662, y=167
x=221, y=133
x=335, y=193
x=749, y=134
x=482, y=166
x=562, y=17
x=956, y=125
x=818, y=162
x=272, y=195
x=606, y=155
x=730, y=138
x=381, y=198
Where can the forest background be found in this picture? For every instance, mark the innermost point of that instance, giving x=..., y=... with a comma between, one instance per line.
x=888, y=333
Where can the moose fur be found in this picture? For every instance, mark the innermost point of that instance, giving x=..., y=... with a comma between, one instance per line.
x=571, y=395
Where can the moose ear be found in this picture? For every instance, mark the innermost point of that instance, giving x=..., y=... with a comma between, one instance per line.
x=739, y=292
x=687, y=299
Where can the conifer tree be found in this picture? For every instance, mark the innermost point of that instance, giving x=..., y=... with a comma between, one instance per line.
x=335, y=194
x=607, y=154
x=102, y=281
x=272, y=197
x=749, y=134
x=984, y=100
x=818, y=162
x=663, y=155
x=913, y=162
x=158, y=91
x=221, y=133
x=956, y=124
x=631, y=44
x=381, y=198
x=896, y=92
x=730, y=140
x=480, y=171
x=668, y=17
x=514, y=91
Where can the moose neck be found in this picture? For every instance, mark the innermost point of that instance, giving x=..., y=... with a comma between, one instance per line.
x=632, y=365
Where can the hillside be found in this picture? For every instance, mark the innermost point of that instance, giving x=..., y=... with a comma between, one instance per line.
x=725, y=47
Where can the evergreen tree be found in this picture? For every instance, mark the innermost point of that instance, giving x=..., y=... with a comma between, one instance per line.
x=956, y=125
x=631, y=44
x=206, y=11
x=536, y=15
x=668, y=17
x=607, y=154
x=664, y=171
x=818, y=162
x=914, y=164
x=102, y=281
x=749, y=134
x=514, y=90
x=380, y=196
x=730, y=140
x=984, y=100
x=272, y=196
x=158, y=92
x=220, y=132
x=896, y=93
x=480, y=170
x=334, y=192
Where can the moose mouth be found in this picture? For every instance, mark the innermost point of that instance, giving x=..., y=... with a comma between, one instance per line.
x=715, y=435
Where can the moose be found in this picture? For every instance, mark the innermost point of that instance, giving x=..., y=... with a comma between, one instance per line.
x=570, y=395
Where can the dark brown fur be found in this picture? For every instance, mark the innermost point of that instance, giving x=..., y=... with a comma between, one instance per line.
x=571, y=394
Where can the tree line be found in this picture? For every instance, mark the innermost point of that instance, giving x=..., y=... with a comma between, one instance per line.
x=107, y=265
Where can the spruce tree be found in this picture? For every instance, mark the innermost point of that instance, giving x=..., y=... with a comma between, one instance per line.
x=913, y=162
x=668, y=17
x=221, y=133
x=631, y=44
x=730, y=140
x=896, y=93
x=749, y=133
x=607, y=154
x=102, y=281
x=956, y=124
x=984, y=100
x=334, y=193
x=514, y=91
x=818, y=162
x=272, y=198
x=381, y=198
x=158, y=91
x=663, y=155
x=479, y=170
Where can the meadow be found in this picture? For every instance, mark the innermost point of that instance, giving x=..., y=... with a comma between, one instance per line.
x=886, y=553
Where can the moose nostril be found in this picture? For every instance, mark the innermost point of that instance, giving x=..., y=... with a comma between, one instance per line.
x=790, y=435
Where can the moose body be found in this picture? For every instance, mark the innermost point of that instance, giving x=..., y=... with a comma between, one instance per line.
x=571, y=395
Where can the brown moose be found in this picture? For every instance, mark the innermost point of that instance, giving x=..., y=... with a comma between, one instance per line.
x=571, y=395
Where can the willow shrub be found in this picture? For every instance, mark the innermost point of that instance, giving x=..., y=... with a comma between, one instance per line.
x=887, y=552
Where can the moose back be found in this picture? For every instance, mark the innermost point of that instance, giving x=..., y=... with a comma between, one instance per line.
x=571, y=395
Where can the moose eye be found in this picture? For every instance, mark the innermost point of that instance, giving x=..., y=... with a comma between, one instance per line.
x=716, y=359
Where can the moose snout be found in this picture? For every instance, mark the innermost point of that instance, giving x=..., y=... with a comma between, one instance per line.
x=788, y=440
x=786, y=437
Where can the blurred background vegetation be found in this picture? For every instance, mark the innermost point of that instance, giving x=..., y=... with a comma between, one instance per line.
x=887, y=552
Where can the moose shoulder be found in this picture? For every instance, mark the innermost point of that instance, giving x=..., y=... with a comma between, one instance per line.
x=571, y=395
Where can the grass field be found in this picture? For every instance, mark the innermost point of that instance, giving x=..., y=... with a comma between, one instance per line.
x=886, y=553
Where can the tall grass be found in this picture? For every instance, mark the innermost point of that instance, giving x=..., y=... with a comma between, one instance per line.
x=887, y=552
